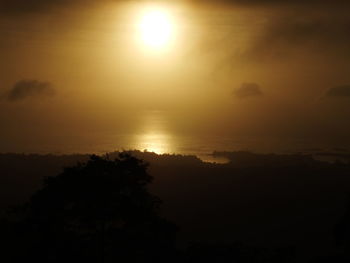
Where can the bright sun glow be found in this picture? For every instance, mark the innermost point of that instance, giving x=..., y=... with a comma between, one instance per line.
x=156, y=28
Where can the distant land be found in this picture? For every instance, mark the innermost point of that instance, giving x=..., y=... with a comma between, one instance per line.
x=263, y=199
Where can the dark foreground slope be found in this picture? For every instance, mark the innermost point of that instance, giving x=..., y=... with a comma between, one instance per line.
x=287, y=201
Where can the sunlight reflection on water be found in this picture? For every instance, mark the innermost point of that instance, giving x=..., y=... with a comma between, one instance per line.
x=154, y=142
x=155, y=133
x=154, y=136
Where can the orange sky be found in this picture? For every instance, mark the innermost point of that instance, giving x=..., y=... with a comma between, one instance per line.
x=257, y=68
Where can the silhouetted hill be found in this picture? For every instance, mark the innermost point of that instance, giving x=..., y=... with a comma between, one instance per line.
x=248, y=159
x=260, y=200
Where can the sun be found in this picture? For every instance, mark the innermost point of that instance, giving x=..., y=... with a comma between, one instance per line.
x=156, y=28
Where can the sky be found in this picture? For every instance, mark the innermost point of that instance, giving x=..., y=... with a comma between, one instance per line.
x=81, y=70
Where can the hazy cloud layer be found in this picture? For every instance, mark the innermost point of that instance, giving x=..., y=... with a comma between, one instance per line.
x=248, y=90
x=320, y=34
x=23, y=6
x=27, y=6
x=340, y=91
x=30, y=88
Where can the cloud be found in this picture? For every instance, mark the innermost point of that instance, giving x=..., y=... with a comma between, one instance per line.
x=37, y=6
x=339, y=92
x=30, y=88
x=274, y=3
x=248, y=90
x=27, y=6
x=289, y=34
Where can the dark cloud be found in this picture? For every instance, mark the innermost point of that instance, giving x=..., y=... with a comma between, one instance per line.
x=275, y=2
x=248, y=90
x=34, y=6
x=319, y=34
x=262, y=2
x=30, y=88
x=23, y=6
x=339, y=92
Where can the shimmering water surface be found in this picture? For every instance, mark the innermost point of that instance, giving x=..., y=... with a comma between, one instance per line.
x=155, y=135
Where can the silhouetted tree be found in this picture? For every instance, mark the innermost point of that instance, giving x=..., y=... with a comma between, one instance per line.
x=98, y=211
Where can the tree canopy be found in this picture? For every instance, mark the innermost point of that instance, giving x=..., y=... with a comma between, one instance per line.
x=97, y=211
